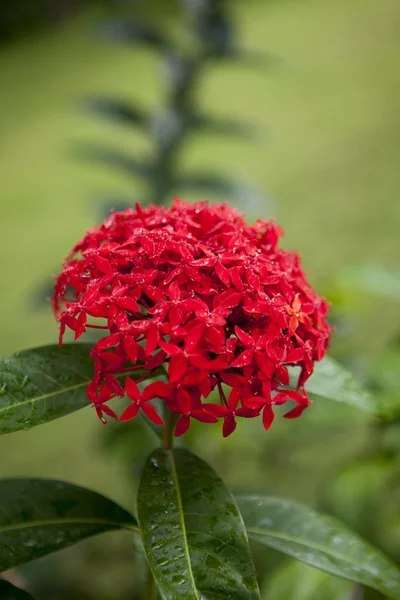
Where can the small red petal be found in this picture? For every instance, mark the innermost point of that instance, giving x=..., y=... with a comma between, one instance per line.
x=157, y=389
x=203, y=416
x=182, y=425
x=295, y=356
x=184, y=401
x=102, y=264
x=130, y=412
x=193, y=337
x=170, y=349
x=151, y=413
x=267, y=416
x=108, y=342
x=295, y=412
x=229, y=426
x=244, y=359
x=223, y=274
x=229, y=299
x=282, y=375
x=233, y=379
x=245, y=338
x=233, y=399
x=132, y=390
x=192, y=304
x=128, y=304
x=152, y=340
x=176, y=369
x=217, y=410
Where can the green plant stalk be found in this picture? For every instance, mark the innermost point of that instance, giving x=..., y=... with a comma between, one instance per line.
x=169, y=427
x=150, y=588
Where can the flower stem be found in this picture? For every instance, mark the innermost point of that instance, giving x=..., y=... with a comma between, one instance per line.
x=168, y=437
x=150, y=588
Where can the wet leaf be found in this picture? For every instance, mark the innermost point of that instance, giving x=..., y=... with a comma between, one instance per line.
x=117, y=110
x=10, y=592
x=319, y=541
x=42, y=384
x=332, y=381
x=193, y=534
x=296, y=581
x=39, y=516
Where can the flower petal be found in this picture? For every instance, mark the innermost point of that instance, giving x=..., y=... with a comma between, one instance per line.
x=182, y=425
x=268, y=416
x=151, y=413
x=132, y=390
x=130, y=412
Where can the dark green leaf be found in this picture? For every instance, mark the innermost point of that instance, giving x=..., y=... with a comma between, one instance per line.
x=10, y=592
x=193, y=533
x=127, y=31
x=332, y=381
x=117, y=110
x=319, y=541
x=39, y=516
x=42, y=384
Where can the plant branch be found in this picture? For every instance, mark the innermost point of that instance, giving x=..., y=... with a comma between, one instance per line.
x=169, y=427
x=150, y=588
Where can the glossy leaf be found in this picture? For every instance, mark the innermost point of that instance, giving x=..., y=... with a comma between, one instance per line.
x=193, y=534
x=297, y=581
x=39, y=516
x=319, y=541
x=332, y=381
x=42, y=384
x=10, y=592
x=117, y=110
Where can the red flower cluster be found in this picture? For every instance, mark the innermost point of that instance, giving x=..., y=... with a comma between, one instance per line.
x=196, y=290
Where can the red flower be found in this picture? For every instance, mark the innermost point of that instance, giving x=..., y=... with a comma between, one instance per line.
x=195, y=291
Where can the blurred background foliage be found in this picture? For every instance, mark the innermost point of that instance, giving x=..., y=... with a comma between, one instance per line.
x=310, y=135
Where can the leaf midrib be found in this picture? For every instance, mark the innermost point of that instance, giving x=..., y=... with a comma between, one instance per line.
x=71, y=521
x=181, y=517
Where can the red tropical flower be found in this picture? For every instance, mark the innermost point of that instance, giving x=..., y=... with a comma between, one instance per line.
x=194, y=292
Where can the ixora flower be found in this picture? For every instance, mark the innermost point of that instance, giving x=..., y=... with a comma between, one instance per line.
x=194, y=292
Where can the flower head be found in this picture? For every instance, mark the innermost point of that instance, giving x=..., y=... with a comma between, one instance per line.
x=196, y=291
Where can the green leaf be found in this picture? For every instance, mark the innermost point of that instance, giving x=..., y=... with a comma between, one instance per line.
x=117, y=110
x=122, y=30
x=10, y=592
x=42, y=384
x=193, y=534
x=319, y=541
x=40, y=516
x=296, y=581
x=332, y=381
x=113, y=158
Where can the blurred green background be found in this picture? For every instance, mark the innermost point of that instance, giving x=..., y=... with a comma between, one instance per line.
x=327, y=158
